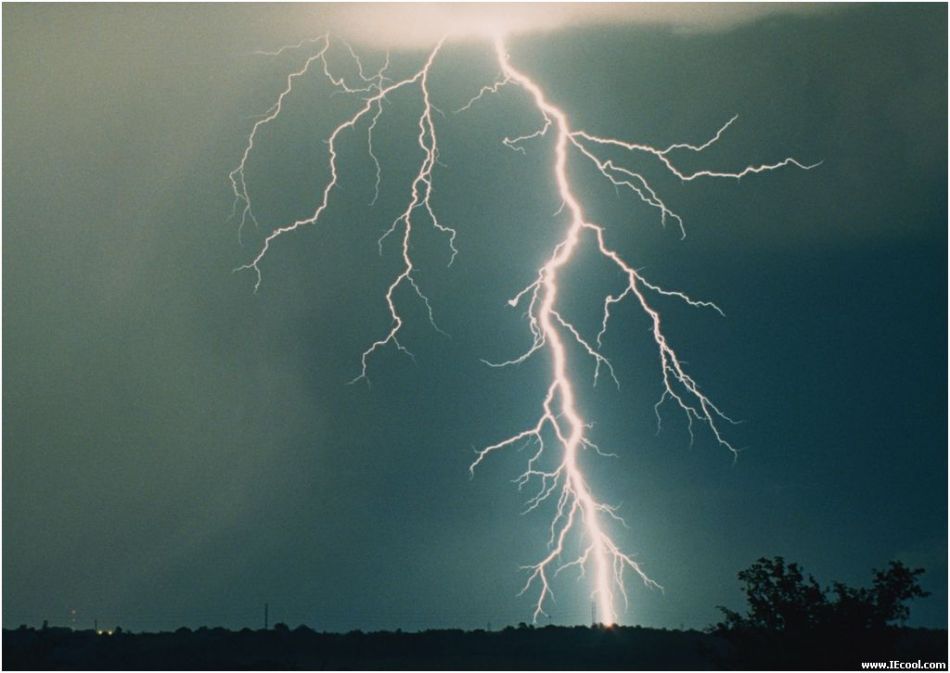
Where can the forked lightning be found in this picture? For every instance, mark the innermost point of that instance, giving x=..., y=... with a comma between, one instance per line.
x=559, y=431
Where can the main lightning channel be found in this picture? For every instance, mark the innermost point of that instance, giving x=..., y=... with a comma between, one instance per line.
x=576, y=504
x=567, y=423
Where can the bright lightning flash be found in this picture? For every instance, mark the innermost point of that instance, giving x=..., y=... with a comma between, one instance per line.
x=577, y=513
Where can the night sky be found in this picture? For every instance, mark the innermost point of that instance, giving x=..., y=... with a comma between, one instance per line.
x=178, y=450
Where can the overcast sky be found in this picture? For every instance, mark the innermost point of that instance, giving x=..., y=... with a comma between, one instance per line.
x=177, y=449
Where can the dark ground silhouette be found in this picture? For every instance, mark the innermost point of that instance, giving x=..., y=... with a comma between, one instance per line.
x=791, y=622
x=551, y=647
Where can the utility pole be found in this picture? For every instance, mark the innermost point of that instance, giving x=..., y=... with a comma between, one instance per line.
x=266, y=607
x=593, y=615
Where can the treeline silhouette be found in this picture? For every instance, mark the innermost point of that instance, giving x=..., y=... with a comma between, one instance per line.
x=791, y=622
x=795, y=623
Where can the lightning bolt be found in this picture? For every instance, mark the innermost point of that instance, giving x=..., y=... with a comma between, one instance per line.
x=560, y=430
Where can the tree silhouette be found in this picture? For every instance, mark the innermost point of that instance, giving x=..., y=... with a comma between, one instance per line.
x=782, y=599
x=892, y=588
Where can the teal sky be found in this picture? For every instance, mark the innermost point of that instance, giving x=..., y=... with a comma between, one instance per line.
x=177, y=450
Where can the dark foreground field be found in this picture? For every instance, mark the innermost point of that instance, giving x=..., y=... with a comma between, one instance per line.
x=513, y=648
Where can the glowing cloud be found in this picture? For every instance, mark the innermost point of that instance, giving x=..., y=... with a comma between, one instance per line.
x=420, y=25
